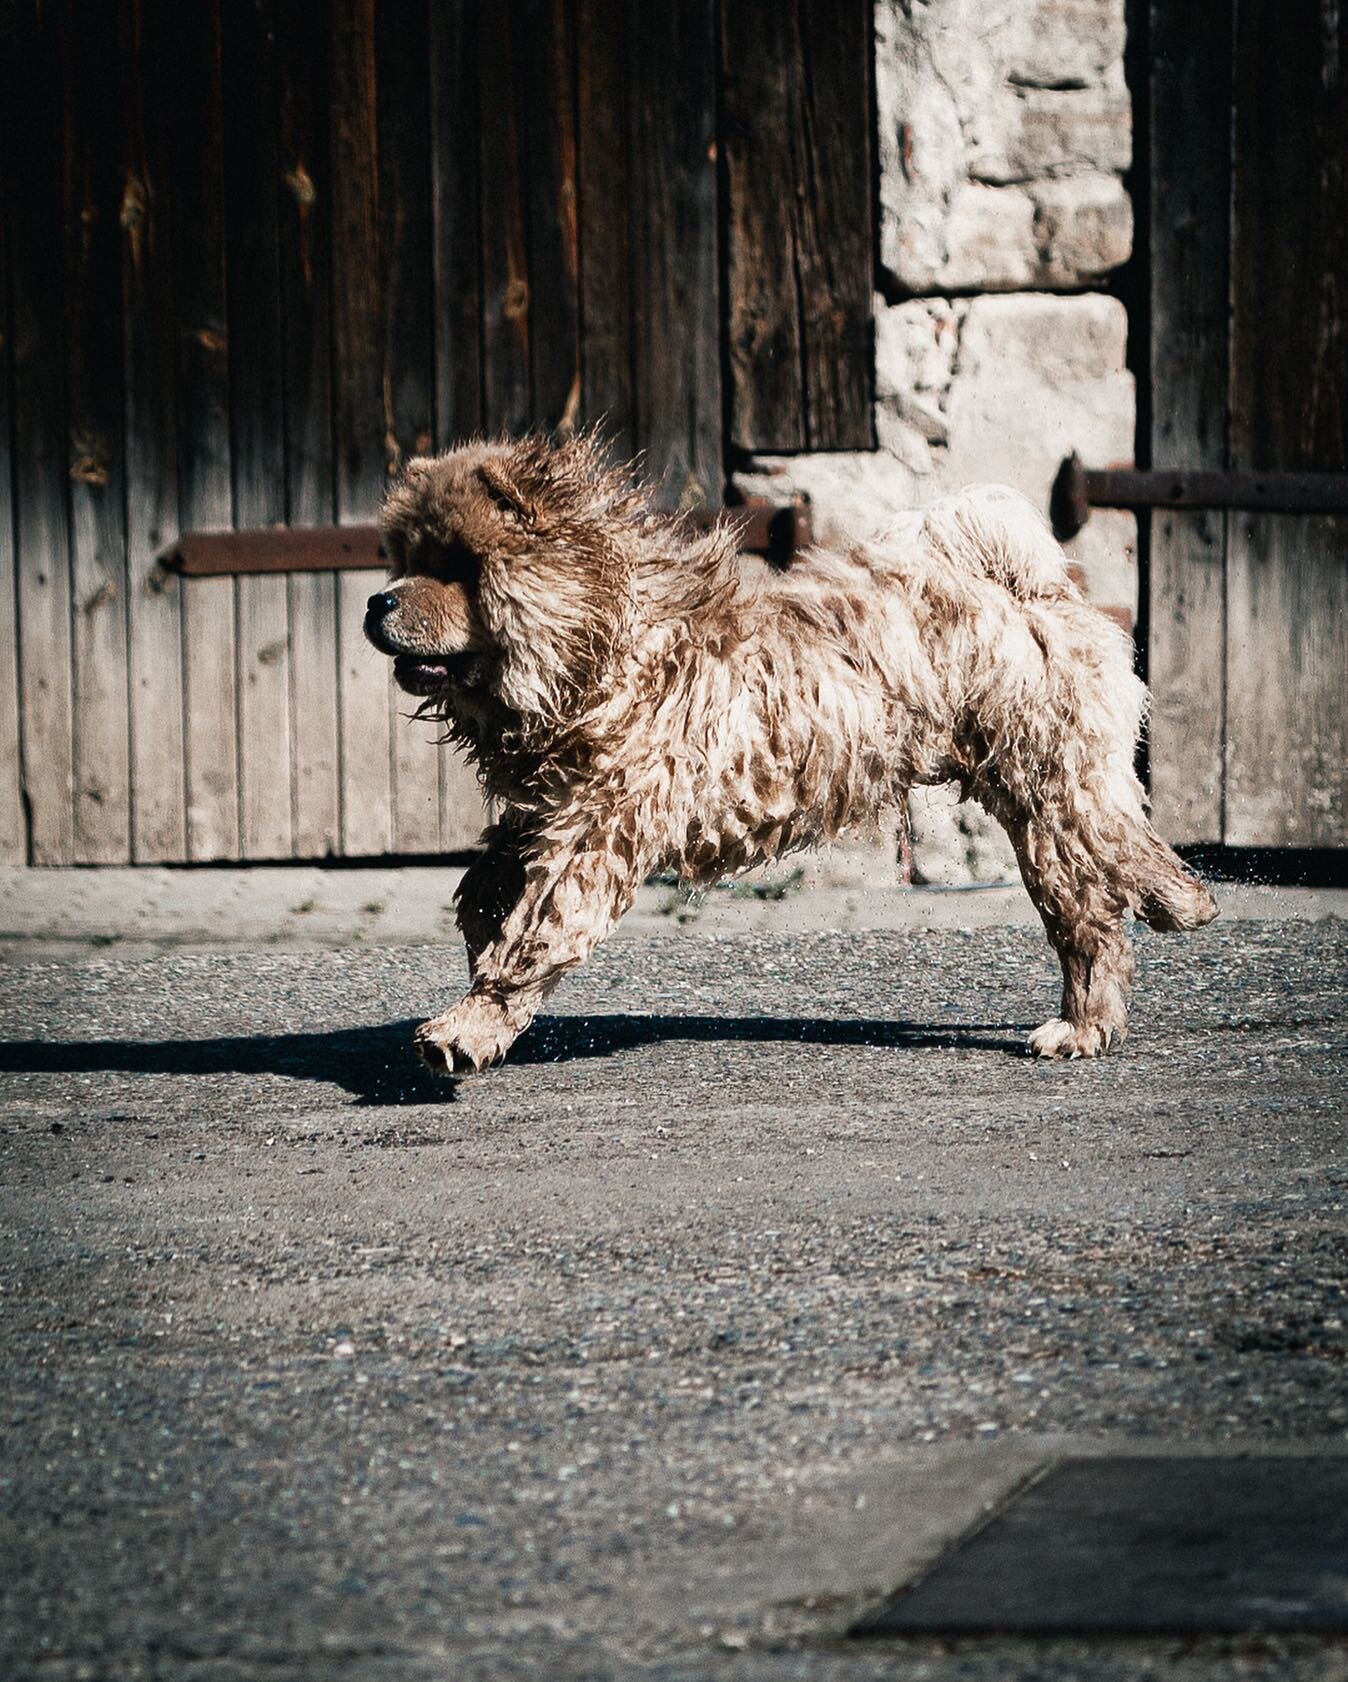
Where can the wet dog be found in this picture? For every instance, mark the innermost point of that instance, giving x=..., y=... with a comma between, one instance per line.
x=637, y=698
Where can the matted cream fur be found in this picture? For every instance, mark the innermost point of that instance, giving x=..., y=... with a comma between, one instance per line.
x=637, y=698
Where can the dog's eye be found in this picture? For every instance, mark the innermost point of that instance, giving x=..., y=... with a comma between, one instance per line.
x=456, y=564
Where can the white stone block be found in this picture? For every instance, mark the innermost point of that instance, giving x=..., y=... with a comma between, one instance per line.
x=1083, y=228
x=956, y=844
x=985, y=111
x=983, y=389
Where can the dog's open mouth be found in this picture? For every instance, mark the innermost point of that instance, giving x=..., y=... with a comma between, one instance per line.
x=428, y=674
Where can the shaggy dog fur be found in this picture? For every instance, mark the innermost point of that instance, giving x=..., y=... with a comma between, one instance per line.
x=636, y=699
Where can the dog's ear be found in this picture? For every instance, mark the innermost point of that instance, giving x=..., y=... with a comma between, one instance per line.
x=510, y=490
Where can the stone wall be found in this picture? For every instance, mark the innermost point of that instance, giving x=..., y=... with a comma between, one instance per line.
x=1004, y=134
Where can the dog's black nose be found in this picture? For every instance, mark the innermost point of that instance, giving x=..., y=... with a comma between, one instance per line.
x=380, y=604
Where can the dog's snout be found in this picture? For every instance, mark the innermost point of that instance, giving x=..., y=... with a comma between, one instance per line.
x=383, y=602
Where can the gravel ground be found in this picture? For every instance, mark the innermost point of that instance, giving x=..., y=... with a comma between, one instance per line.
x=665, y=1349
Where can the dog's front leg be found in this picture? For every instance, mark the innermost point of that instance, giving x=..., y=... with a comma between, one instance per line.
x=566, y=905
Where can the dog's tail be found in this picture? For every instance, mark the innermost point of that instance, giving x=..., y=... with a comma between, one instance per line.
x=1087, y=681
x=1002, y=533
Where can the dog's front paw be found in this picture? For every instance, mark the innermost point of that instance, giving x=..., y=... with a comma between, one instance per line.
x=1060, y=1039
x=471, y=1037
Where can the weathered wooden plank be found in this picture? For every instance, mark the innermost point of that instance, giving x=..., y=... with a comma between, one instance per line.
x=463, y=812
x=547, y=55
x=32, y=168
x=252, y=244
x=314, y=704
x=1289, y=319
x=13, y=825
x=676, y=311
x=304, y=237
x=402, y=53
x=1190, y=119
x=406, y=228
x=456, y=176
x=760, y=70
x=264, y=718
x=211, y=718
x=417, y=780
x=455, y=166
x=358, y=404
x=252, y=249
x=603, y=169
x=188, y=81
x=1287, y=682
x=154, y=604
x=834, y=238
x=796, y=130
x=506, y=339
x=95, y=425
x=1287, y=587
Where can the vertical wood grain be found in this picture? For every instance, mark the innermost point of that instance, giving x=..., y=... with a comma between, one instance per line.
x=304, y=234
x=251, y=165
x=1287, y=588
x=796, y=130
x=94, y=437
x=13, y=824
x=32, y=89
x=456, y=205
x=457, y=307
x=760, y=67
x=358, y=410
x=154, y=604
x=676, y=311
x=406, y=241
x=834, y=238
x=1287, y=682
x=1190, y=229
x=189, y=84
x=546, y=69
x=604, y=186
x=506, y=342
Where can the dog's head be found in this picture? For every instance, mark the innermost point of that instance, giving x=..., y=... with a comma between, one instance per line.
x=510, y=585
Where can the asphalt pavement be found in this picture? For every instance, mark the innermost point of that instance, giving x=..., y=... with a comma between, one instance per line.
x=764, y=1268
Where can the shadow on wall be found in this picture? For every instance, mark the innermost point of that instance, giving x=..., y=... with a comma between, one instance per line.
x=377, y=1066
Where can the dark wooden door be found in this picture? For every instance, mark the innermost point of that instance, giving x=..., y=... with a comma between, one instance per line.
x=1248, y=643
x=256, y=253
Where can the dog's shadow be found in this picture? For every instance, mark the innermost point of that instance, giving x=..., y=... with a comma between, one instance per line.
x=376, y=1065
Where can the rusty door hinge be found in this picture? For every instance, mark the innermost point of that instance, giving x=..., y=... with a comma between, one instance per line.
x=1078, y=489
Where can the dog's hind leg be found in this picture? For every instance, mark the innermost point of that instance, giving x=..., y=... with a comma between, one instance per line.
x=1083, y=915
x=1088, y=856
x=1063, y=712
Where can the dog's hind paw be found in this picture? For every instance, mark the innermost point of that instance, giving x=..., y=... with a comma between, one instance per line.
x=465, y=1040
x=1060, y=1040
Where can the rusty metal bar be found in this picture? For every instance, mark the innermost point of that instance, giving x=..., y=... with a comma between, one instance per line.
x=208, y=554
x=1078, y=489
x=775, y=530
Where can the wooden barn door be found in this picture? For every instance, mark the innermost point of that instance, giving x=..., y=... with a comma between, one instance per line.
x=258, y=252
x=1248, y=643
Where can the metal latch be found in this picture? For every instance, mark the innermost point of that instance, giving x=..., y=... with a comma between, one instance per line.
x=775, y=530
x=1078, y=489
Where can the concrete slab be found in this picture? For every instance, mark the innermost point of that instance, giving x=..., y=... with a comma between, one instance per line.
x=1180, y=1544
x=77, y=914
x=664, y=1351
